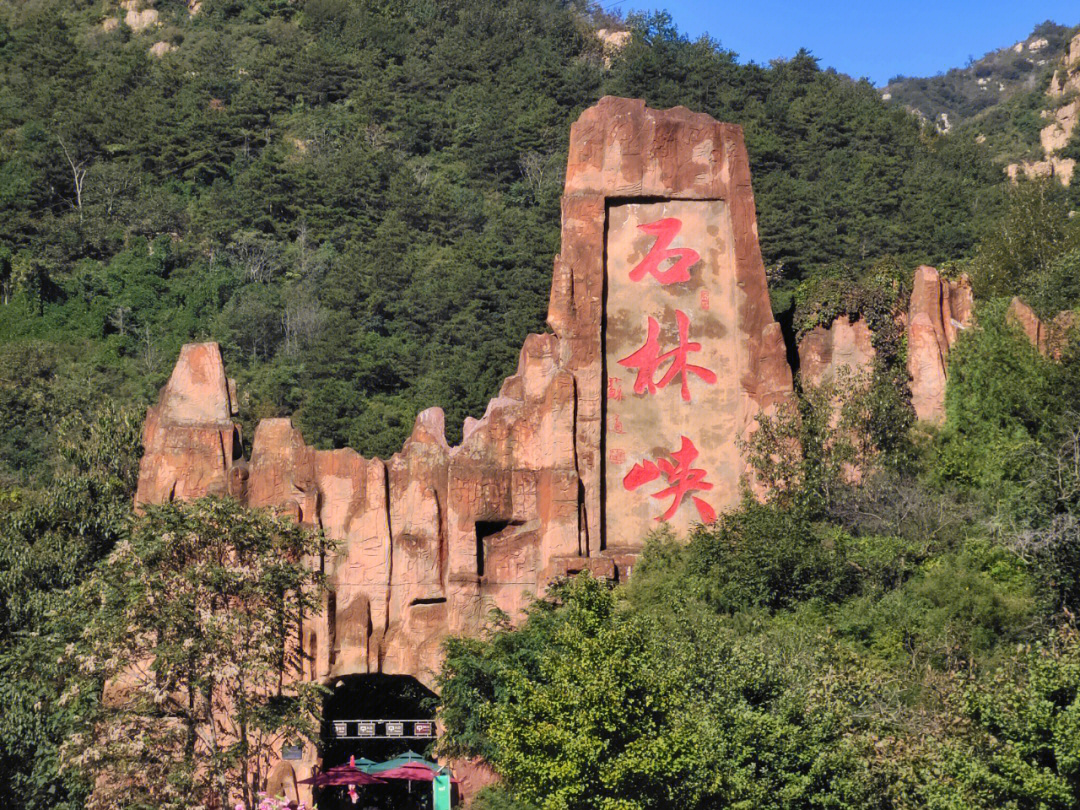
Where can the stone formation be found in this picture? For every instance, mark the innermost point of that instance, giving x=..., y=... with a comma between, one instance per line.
x=629, y=415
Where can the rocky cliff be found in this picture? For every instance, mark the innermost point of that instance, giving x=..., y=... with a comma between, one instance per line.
x=939, y=309
x=434, y=538
x=1061, y=114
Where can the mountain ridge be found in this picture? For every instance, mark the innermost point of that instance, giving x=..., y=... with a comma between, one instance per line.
x=1015, y=100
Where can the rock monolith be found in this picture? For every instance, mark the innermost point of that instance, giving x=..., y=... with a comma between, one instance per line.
x=627, y=417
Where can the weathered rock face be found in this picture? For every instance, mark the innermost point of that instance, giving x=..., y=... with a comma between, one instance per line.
x=418, y=485
x=1021, y=315
x=702, y=249
x=430, y=541
x=939, y=309
x=1055, y=135
x=137, y=18
x=1049, y=338
x=159, y=49
x=826, y=351
x=612, y=42
x=191, y=445
x=514, y=490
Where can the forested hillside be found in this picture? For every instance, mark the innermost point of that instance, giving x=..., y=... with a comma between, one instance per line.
x=962, y=93
x=1001, y=99
x=360, y=201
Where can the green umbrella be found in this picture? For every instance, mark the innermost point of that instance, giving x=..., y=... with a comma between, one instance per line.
x=363, y=763
x=404, y=759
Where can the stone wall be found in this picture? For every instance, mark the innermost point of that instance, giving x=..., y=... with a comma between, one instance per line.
x=939, y=310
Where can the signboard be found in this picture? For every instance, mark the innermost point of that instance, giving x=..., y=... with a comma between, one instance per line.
x=292, y=752
x=369, y=729
x=672, y=388
x=440, y=787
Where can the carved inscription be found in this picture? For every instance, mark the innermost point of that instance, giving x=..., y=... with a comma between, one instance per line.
x=672, y=371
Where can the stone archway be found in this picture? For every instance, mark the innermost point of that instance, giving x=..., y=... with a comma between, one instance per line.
x=383, y=700
x=376, y=717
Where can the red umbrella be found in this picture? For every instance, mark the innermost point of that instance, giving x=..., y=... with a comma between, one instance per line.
x=414, y=772
x=342, y=775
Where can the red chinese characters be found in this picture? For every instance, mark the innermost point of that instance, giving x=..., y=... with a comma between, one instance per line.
x=665, y=231
x=614, y=388
x=681, y=478
x=648, y=359
x=634, y=417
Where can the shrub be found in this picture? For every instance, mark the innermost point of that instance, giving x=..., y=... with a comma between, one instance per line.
x=765, y=556
x=1023, y=748
x=1003, y=400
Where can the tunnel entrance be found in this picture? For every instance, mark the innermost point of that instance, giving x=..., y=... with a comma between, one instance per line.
x=377, y=717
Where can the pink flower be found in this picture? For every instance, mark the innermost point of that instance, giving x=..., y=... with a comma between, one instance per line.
x=240, y=806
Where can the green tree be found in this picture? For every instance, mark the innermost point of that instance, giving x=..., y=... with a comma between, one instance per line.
x=820, y=442
x=590, y=705
x=1025, y=736
x=1004, y=404
x=1017, y=254
x=195, y=629
x=418, y=149
x=50, y=540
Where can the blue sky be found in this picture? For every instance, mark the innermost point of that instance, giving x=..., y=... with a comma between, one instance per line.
x=868, y=38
